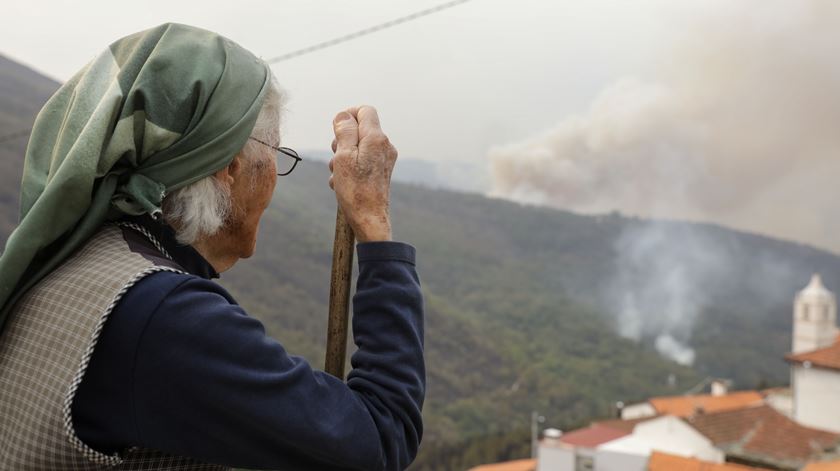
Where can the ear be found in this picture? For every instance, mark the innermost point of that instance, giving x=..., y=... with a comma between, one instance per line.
x=232, y=172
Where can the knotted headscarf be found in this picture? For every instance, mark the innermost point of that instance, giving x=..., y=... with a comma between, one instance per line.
x=157, y=110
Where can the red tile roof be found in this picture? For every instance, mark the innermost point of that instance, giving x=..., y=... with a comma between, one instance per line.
x=828, y=357
x=763, y=435
x=516, y=465
x=624, y=425
x=592, y=436
x=684, y=406
x=665, y=462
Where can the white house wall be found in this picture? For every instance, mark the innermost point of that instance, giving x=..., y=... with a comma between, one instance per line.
x=555, y=458
x=638, y=411
x=666, y=434
x=782, y=402
x=673, y=435
x=816, y=399
x=608, y=460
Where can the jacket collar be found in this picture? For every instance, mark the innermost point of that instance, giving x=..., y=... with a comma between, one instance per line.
x=184, y=255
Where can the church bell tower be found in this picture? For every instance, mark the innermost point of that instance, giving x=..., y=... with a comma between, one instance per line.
x=814, y=317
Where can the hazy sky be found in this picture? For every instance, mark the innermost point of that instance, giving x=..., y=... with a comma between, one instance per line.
x=521, y=75
x=448, y=86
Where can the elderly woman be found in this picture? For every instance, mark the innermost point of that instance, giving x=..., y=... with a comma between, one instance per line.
x=146, y=176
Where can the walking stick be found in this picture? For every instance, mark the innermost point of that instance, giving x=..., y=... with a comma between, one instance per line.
x=342, y=267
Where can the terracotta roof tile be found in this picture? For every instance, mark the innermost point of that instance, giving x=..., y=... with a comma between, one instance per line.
x=764, y=435
x=776, y=390
x=516, y=465
x=684, y=406
x=665, y=462
x=823, y=466
x=623, y=425
x=828, y=357
x=592, y=436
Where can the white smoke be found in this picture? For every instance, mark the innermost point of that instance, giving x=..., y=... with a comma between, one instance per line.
x=664, y=273
x=675, y=350
x=739, y=126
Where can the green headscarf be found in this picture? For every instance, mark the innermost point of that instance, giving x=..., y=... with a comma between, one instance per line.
x=156, y=111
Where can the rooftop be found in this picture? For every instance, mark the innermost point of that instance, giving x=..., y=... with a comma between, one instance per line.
x=760, y=434
x=665, y=462
x=685, y=406
x=516, y=465
x=823, y=466
x=827, y=357
x=592, y=436
x=623, y=425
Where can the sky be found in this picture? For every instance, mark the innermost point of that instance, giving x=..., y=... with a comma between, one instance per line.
x=653, y=108
x=448, y=86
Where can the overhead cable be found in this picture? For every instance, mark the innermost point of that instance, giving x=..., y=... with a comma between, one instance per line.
x=323, y=45
x=365, y=32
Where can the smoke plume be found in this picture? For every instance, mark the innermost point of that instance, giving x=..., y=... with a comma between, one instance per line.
x=740, y=125
x=664, y=274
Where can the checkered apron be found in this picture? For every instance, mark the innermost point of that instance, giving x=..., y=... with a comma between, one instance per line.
x=44, y=351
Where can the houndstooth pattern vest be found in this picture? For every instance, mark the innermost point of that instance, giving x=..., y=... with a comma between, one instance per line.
x=45, y=349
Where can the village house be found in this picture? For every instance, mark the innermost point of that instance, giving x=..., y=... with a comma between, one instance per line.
x=815, y=358
x=719, y=399
x=762, y=436
x=789, y=429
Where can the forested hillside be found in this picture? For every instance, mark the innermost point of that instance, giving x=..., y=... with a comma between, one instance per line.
x=517, y=315
x=22, y=93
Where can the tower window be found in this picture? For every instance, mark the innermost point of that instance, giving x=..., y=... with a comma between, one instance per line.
x=805, y=312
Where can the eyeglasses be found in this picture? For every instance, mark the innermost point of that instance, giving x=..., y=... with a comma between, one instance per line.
x=284, y=165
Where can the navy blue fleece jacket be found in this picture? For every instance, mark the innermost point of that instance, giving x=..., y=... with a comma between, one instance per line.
x=181, y=367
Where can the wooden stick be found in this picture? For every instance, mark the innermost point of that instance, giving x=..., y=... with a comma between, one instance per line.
x=342, y=269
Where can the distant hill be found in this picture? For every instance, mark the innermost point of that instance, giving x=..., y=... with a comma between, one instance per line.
x=22, y=93
x=517, y=315
x=459, y=176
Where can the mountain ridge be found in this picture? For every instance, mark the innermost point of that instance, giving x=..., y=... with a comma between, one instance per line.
x=519, y=309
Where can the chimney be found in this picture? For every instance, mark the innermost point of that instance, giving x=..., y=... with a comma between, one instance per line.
x=619, y=408
x=553, y=453
x=720, y=387
x=552, y=436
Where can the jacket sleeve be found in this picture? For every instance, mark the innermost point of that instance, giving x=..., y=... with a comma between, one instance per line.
x=208, y=383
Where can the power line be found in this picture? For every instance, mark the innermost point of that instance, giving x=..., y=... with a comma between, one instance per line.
x=366, y=31
x=324, y=44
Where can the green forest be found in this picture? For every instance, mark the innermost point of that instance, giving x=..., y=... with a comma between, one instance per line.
x=516, y=315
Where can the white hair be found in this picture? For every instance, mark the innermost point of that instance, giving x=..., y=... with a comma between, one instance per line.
x=200, y=209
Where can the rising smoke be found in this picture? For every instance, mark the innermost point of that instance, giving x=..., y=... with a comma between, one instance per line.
x=664, y=274
x=740, y=126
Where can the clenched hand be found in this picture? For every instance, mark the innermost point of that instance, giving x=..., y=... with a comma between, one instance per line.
x=361, y=172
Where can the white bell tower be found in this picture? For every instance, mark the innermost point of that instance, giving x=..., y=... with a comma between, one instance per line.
x=814, y=317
